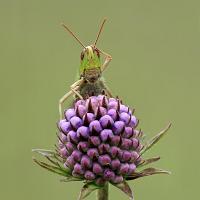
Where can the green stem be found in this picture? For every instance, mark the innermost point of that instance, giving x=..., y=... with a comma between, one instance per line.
x=102, y=194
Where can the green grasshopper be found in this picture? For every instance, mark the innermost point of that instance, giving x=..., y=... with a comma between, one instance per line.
x=90, y=80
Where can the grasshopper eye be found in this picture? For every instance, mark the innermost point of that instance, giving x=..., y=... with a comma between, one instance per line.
x=82, y=55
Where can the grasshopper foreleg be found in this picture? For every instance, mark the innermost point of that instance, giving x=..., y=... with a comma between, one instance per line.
x=106, y=62
x=74, y=87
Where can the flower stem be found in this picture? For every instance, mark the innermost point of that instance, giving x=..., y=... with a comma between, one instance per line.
x=102, y=193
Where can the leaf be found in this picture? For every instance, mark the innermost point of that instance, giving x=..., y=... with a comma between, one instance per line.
x=70, y=178
x=124, y=187
x=147, y=172
x=154, y=140
x=148, y=161
x=44, y=152
x=49, y=154
x=87, y=189
x=52, y=168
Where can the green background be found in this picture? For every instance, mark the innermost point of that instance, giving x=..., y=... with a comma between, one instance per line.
x=155, y=47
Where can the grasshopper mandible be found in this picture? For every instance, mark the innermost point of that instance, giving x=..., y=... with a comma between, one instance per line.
x=90, y=80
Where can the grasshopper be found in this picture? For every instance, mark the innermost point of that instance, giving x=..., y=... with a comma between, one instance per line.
x=90, y=81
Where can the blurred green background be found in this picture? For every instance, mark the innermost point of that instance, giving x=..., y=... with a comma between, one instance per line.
x=155, y=68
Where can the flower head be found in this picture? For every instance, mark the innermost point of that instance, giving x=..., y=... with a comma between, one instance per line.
x=98, y=139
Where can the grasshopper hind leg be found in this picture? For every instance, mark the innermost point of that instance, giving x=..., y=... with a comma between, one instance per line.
x=62, y=100
x=74, y=90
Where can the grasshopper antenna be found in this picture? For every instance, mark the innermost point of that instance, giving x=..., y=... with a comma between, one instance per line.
x=100, y=30
x=62, y=24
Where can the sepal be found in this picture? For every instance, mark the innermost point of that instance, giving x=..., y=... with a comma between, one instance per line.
x=154, y=140
x=146, y=172
x=124, y=187
x=148, y=161
x=54, y=159
x=87, y=189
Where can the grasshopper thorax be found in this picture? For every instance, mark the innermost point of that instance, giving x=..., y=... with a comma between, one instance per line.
x=90, y=68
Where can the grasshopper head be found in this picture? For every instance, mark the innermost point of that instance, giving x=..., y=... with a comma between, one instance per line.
x=90, y=58
x=90, y=63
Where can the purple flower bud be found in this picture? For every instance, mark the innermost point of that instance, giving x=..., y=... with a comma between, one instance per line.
x=139, y=148
x=126, y=143
x=63, y=137
x=124, y=168
x=79, y=102
x=94, y=100
x=72, y=137
x=70, y=147
x=65, y=126
x=63, y=152
x=103, y=148
x=95, y=140
x=92, y=103
x=128, y=132
x=115, y=140
x=113, y=105
x=78, y=169
x=124, y=108
x=104, y=160
x=83, y=131
x=60, y=144
x=89, y=175
x=134, y=156
x=118, y=127
x=114, y=151
x=135, y=143
x=86, y=163
x=133, y=121
x=74, y=174
x=138, y=160
x=76, y=154
x=112, y=99
x=136, y=133
x=97, y=169
x=132, y=168
x=76, y=122
x=93, y=153
x=81, y=110
x=105, y=134
x=95, y=126
x=115, y=164
x=117, y=179
x=108, y=174
x=101, y=111
x=70, y=162
x=100, y=97
x=106, y=121
x=88, y=118
x=83, y=146
x=113, y=113
x=125, y=117
x=126, y=156
x=70, y=113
